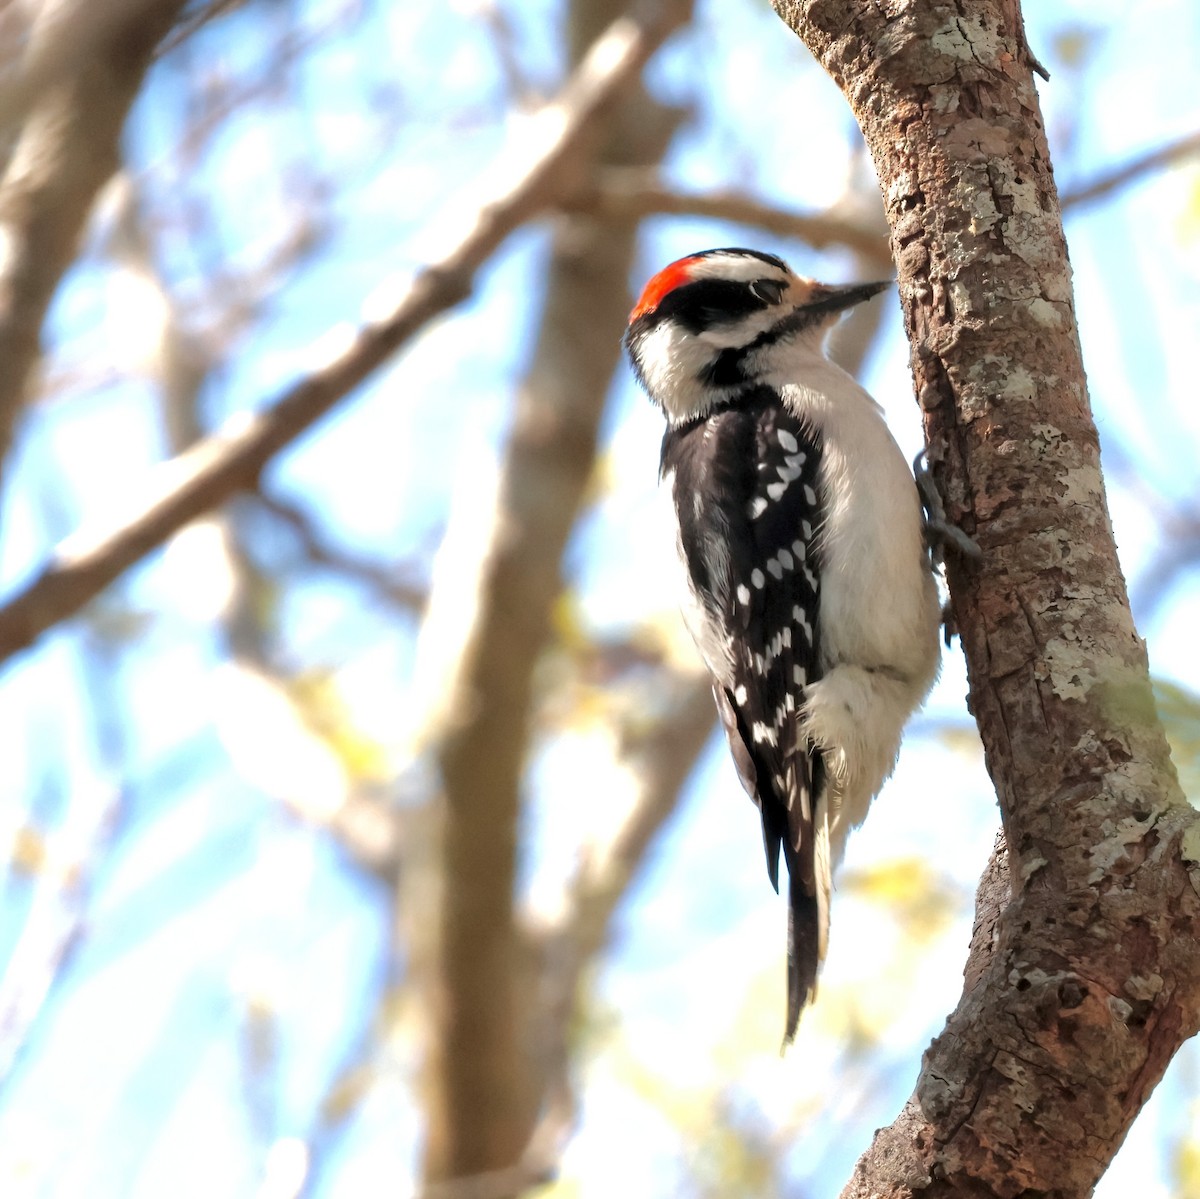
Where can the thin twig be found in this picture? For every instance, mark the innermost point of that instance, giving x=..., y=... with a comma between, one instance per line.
x=658, y=753
x=69, y=99
x=624, y=194
x=53, y=926
x=192, y=25
x=1132, y=171
x=389, y=585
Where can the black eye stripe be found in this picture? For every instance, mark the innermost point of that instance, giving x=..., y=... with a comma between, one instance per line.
x=707, y=302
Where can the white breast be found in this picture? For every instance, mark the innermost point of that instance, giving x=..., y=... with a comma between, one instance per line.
x=879, y=603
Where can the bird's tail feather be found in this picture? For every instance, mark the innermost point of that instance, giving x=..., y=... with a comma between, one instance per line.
x=804, y=952
x=808, y=927
x=823, y=872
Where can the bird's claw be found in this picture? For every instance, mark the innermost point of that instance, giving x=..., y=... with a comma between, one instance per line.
x=939, y=532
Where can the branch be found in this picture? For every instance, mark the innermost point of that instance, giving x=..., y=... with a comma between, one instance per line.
x=55, y=921
x=83, y=67
x=653, y=756
x=197, y=20
x=1132, y=171
x=393, y=587
x=1083, y=984
x=62, y=38
x=625, y=195
x=210, y=472
x=496, y=580
x=657, y=753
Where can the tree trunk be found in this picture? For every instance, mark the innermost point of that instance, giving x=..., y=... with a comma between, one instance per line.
x=1089, y=980
x=483, y=1080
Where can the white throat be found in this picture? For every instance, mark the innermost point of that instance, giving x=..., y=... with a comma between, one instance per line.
x=675, y=363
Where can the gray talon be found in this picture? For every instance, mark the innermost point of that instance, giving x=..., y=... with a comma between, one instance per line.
x=939, y=532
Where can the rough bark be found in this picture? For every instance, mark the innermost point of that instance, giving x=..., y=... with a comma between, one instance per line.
x=1083, y=978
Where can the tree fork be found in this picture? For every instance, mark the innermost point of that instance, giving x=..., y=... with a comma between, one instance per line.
x=1089, y=980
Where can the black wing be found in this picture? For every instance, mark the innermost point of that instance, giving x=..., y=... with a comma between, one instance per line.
x=748, y=505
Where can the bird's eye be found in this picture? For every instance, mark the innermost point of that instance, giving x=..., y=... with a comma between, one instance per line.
x=770, y=291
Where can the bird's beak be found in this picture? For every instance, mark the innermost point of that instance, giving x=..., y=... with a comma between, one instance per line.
x=826, y=299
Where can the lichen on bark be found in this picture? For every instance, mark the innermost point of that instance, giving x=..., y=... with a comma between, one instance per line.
x=1083, y=990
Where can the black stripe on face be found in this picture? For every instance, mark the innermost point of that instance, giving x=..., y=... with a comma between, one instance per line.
x=707, y=302
x=727, y=369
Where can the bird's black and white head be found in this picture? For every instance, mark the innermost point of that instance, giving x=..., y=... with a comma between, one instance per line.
x=716, y=323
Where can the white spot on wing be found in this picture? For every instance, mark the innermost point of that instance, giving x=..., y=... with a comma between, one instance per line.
x=788, y=442
x=776, y=490
x=743, y=593
x=775, y=570
x=757, y=578
x=762, y=732
x=801, y=618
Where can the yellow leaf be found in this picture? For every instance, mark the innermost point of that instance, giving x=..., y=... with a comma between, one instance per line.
x=346, y=1094
x=29, y=851
x=1186, y=1168
x=1189, y=218
x=318, y=698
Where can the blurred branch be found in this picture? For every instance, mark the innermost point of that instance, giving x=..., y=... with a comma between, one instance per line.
x=627, y=194
x=657, y=753
x=388, y=585
x=622, y=194
x=1134, y=170
x=496, y=581
x=366, y=825
x=54, y=921
x=63, y=38
x=95, y=55
x=211, y=471
x=196, y=21
x=519, y=84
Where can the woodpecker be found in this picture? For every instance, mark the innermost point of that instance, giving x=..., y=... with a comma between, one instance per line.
x=806, y=583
